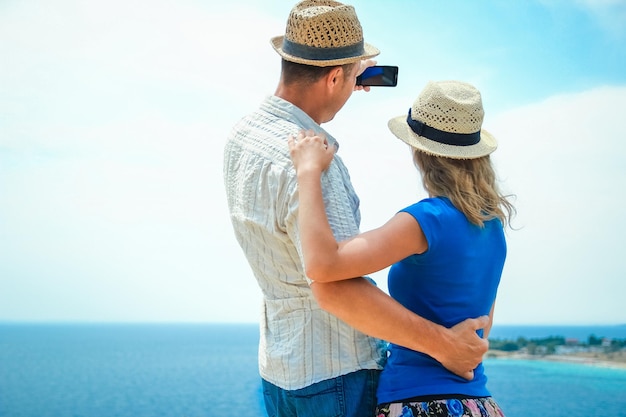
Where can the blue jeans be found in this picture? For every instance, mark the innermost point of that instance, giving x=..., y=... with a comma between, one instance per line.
x=351, y=395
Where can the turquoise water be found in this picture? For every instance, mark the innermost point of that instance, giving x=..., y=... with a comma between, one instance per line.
x=128, y=370
x=211, y=370
x=539, y=388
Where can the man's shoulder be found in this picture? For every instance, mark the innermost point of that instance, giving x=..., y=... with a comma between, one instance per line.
x=260, y=138
x=261, y=123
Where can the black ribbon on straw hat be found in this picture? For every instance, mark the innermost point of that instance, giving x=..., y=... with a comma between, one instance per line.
x=311, y=52
x=447, y=138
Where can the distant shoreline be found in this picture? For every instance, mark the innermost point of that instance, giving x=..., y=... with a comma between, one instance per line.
x=615, y=360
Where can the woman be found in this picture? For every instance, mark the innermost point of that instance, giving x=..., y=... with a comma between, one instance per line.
x=446, y=252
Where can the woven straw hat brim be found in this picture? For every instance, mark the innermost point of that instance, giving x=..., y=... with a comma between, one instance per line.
x=370, y=51
x=401, y=129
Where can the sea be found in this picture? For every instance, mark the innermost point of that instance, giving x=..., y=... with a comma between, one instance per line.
x=201, y=370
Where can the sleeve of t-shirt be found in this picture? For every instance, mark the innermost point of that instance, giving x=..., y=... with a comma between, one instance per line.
x=427, y=213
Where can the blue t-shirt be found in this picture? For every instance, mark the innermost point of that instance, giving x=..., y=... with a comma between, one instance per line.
x=455, y=279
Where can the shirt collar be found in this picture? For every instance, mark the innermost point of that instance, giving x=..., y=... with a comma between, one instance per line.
x=285, y=110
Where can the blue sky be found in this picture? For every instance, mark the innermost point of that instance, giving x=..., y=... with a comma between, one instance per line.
x=113, y=116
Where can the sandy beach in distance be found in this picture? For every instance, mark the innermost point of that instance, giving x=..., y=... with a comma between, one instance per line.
x=606, y=360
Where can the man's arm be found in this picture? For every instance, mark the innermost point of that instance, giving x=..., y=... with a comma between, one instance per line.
x=371, y=311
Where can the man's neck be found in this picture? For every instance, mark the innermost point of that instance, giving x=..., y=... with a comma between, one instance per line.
x=305, y=98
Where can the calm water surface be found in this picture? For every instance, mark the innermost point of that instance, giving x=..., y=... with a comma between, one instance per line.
x=97, y=370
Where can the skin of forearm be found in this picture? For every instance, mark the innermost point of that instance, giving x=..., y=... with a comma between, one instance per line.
x=318, y=243
x=365, y=307
x=371, y=311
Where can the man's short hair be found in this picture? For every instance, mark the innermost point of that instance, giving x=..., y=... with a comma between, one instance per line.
x=308, y=74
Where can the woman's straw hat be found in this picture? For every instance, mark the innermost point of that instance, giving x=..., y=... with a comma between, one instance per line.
x=446, y=120
x=323, y=33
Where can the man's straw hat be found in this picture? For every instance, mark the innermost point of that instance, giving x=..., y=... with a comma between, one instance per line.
x=446, y=120
x=323, y=33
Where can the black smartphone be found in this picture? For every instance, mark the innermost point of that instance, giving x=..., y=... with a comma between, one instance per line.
x=379, y=76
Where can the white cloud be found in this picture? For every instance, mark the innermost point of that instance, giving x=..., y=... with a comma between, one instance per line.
x=611, y=14
x=112, y=202
x=103, y=65
x=601, y=4
x=564, y=159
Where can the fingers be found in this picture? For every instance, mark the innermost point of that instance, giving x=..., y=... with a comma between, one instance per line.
x=476, y=323
x=481, y=322
x=468, y=375
x=307, y=137
x=462, y=371
x=366, y=64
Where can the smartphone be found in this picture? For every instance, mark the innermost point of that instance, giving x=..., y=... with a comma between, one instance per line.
x=379, y=76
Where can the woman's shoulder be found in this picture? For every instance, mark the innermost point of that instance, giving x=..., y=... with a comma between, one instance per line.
x=434, y=205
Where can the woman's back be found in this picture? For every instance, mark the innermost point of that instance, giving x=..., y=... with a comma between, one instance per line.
x=456, y=278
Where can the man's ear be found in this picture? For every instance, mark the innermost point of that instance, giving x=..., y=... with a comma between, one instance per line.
x=334, y=77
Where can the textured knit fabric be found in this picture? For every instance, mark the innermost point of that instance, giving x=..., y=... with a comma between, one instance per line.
x=300, y=344
x=455, y=279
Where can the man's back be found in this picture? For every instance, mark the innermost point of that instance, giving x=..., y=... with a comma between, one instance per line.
x=300, y=343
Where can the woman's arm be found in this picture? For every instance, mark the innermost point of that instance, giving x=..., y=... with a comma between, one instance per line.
x=326, y=260
x=356, y=301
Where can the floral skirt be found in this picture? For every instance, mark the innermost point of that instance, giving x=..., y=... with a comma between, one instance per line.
x=466, y=407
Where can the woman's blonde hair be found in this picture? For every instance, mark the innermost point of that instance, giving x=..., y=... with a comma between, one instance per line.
x=470, y=184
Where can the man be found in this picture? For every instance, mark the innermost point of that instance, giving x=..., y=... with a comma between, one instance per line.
x=315, y=358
